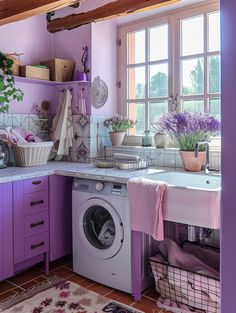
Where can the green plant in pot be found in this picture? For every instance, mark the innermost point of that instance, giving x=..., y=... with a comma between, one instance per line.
x=8, y=90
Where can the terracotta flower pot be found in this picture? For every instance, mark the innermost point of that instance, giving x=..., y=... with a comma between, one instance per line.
x=117, y=138
x=190, y=162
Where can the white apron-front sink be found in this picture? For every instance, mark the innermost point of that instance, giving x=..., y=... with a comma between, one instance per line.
x=192, y=199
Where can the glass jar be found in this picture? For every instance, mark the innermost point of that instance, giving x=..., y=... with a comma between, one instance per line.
x=147, y=139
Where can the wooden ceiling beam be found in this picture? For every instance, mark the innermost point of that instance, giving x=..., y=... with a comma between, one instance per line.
x=16, y=10
x=109, y=10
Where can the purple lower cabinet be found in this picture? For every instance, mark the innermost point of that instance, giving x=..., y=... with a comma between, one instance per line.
x=6, y=231
x=60, y=206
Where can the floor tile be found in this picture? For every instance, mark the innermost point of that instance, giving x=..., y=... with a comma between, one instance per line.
x=5, y=286
x=29, y=284
x=100, y=289
x=147, y=305
x=24, y=277
x=121, y=297
x=151, y=293
x=76, y=278
x=62, y=272
x=6, y=295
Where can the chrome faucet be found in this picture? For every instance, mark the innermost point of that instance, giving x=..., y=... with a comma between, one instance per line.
x=206, y=143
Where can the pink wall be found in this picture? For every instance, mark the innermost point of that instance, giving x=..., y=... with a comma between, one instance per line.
x=104, y=62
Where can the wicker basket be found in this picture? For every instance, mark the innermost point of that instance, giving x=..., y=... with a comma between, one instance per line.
x=182, y=286
x=32, y=154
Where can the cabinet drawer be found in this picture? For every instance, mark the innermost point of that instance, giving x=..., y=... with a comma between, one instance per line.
x=36, y=224
x=35, y=202
x=35, y=184
x=36, y=245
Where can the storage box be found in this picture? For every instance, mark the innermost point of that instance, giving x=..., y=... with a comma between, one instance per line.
x=60, y=70
x=35, y=72
x=16, y=65
x=195, y=290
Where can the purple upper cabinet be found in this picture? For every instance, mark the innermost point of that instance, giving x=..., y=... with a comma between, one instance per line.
x=6, y=231
x=60, y=204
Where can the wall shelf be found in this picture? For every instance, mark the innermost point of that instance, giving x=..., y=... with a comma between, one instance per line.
x=48, y=83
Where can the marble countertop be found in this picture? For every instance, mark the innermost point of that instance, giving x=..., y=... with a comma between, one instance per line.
x=71, y=169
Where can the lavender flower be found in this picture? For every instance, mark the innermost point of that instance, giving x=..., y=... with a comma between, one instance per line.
x=187, y=128
x=119, y=123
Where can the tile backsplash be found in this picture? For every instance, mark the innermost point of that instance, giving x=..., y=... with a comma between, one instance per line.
x=91, y=139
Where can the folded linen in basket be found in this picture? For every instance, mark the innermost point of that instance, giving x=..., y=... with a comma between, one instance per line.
x=28, y=136
x=146, y=203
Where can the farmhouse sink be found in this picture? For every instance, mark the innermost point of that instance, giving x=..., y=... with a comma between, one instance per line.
x=192, y=199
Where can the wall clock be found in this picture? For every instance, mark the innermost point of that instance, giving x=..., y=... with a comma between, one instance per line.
x=98, y=92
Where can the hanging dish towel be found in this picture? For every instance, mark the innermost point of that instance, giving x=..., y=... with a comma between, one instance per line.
x=146, y=203
x=62, y=128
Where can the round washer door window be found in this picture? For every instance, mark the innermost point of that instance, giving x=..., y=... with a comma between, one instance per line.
x=102, y=231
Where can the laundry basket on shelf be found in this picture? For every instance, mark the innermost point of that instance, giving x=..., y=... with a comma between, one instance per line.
x=183, y=286
x=32, y=154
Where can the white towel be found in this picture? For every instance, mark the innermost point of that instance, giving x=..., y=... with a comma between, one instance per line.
x=62, y=128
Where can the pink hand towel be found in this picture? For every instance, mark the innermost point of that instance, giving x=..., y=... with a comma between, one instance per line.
x=146, y=203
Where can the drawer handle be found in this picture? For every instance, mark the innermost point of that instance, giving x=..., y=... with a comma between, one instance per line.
x=37, y=224
x=32, y=203
x=36, y=182
x=37, y=245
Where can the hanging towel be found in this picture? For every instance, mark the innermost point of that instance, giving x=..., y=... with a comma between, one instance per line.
x=146, y=203
x=62, y=128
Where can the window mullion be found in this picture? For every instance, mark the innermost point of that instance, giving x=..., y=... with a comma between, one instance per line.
x=206, y=105
x=147, y=79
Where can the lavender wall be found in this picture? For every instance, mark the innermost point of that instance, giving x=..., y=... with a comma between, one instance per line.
x=104, y=62
x=228, y=234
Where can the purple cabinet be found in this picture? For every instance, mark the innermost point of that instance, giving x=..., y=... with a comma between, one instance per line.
x=60, y=203
x=6, y=231
x=30, y=219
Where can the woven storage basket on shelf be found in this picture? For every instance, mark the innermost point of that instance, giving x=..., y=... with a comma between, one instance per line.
x=183, y=286
x=32, y=154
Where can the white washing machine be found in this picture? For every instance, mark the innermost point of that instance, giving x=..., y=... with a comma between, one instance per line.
x=102, y=234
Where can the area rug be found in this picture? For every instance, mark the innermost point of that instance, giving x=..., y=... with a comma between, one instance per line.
x=60, y=296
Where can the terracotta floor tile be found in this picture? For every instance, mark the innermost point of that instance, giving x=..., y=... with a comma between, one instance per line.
x=24, y=277
x=86, y=283
x=151, y=293
x=60, y=262
x=5, y=286
x=62, y=272
x=76, y=278
x=29, y=284
x=69, y=265
x=147, y=305
x=121, y=297
x=41, y=279
x=100, y=289
x=6, y=295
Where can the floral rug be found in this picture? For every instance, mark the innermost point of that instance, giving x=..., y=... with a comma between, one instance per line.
x=60, y=296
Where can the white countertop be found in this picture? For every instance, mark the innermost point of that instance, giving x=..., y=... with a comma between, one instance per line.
x=71, y=169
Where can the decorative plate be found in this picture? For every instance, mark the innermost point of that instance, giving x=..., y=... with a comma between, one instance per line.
x=98, y=92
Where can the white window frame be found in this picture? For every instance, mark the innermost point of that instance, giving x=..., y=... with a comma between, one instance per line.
x=172, y=17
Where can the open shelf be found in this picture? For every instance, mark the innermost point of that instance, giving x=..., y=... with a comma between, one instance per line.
x=49, y=83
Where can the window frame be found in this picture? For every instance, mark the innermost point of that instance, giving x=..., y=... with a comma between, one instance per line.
x=172, y=18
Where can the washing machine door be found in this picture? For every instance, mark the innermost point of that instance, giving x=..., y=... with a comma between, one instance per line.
x=100, y=228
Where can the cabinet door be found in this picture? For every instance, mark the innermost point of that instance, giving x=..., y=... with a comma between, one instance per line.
x=60, y=216
x=6, y=231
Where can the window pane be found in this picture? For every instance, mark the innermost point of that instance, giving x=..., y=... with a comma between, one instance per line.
x=158, y=77
x=136, y=88
x=193, y=105
x=156, y=109
x=215, y=107
x=136, y=44
x=136, y=112
x=192, y=77
x=192, y=34
x=214, y=74
x=158, y=37
x=214, y=32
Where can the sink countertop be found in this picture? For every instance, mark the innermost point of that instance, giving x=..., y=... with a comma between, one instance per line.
x=81, y=170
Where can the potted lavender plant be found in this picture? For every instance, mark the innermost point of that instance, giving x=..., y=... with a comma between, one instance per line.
x=186, y=129
x=118, y=125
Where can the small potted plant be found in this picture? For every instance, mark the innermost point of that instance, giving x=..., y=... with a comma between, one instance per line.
x=186, y=129
x=8, y=90
x=119, y=125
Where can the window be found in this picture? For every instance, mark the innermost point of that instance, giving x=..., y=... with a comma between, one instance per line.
x=170, y=63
